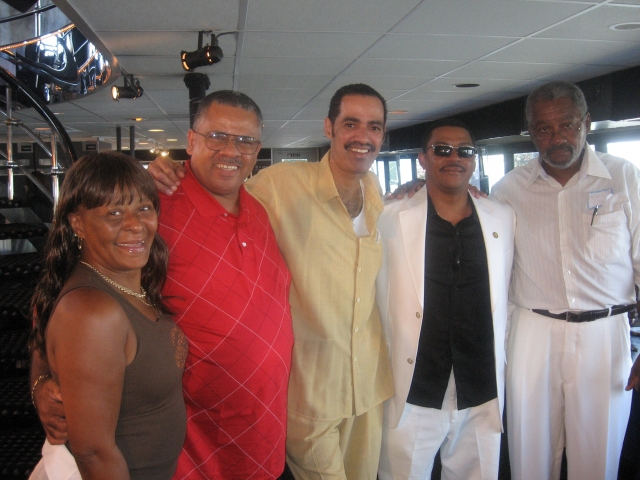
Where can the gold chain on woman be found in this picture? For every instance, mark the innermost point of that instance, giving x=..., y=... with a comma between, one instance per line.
x=140, y=296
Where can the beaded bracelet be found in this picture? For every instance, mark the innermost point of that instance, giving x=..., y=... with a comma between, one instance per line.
x=33, y=389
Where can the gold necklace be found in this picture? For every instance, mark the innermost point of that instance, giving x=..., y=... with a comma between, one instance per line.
x=128, y=291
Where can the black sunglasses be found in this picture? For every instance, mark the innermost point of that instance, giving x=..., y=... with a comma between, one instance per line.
x=446, y=150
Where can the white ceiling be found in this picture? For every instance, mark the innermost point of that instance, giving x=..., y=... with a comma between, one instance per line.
x=291, y=55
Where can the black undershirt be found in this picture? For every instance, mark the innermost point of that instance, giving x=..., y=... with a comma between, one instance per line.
x=457, y=325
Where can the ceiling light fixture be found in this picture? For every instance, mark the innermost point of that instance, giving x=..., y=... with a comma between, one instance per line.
x=131, y=88
x=397, y=112
x=203, y=56
x=625, y=26
x=466, y=85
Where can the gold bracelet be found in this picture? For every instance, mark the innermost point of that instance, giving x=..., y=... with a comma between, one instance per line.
x=33, y=389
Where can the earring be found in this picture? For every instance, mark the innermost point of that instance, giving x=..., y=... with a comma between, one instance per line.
x=79, y=240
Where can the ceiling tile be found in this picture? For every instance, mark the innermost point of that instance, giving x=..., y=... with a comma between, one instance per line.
x=486, y=17
x=266, y=82
x=293, y=66
x=537, y=50
x=506, y=70
x=594, y=25
x=124, y=15
x=327, y=15
x=306, y=44
x=436, y=47
x=411, y=68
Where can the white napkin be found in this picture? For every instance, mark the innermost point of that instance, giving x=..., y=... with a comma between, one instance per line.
x=57, y=464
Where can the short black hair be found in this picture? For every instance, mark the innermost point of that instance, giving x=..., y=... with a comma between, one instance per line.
x=353, y=89
x=445, y=122
x=230, y=98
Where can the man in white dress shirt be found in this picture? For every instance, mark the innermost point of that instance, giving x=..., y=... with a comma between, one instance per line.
x=577, y=258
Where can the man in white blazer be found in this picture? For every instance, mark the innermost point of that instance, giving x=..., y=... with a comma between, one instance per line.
x=442, y=294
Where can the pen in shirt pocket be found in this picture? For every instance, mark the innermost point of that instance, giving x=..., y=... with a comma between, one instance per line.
x=595, y=212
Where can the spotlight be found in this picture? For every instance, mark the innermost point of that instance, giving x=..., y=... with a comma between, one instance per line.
x=207, y=55
x=131, y=88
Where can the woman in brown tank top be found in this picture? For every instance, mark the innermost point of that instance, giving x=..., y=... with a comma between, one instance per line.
x=101, y=326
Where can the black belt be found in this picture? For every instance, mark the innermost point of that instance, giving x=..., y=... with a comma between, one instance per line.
x=589, y=316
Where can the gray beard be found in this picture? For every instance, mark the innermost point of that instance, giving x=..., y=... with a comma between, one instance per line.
x=562, y=166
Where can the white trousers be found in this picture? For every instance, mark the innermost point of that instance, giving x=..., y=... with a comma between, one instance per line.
x=469, y=441
x=565, y=387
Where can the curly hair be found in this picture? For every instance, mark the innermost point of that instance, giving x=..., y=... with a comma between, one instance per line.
x=93, y=181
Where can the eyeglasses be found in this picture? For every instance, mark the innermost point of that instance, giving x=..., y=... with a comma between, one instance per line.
x=218, y=140
x=446, y=150
x=547, y=132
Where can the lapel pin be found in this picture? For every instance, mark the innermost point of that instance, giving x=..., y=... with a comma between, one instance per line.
x=495, y=234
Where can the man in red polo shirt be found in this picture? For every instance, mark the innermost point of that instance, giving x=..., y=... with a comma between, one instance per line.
x=228, y=285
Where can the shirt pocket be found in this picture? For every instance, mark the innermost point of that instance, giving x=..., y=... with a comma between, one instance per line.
x=608, y=238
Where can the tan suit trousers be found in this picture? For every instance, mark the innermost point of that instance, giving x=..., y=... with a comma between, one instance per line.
x=345, y=449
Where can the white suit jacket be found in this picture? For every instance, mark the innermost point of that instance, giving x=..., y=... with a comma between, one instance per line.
x=400, y=286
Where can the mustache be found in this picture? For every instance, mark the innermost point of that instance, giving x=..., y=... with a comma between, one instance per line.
x=559, y=148
x=234, y=162
x=359, y=145
x=453, y=164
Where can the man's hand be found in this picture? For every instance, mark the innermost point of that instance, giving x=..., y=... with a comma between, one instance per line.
x=409, y=188
x=48, y=402
x=166, y=174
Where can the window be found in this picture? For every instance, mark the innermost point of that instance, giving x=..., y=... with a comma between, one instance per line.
x=520, y=159
x=493, y=168
x=627, y=150
x=393, y=171
x=394, y=177
x=378, y=169
x=405, y=170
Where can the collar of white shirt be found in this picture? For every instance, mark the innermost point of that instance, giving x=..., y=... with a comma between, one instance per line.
x=591, y=165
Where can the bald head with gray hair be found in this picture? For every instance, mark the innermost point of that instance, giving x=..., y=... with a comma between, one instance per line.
x=553, y=91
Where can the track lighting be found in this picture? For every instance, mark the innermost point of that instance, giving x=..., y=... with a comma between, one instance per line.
x=207, y=55
x=131, y=88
